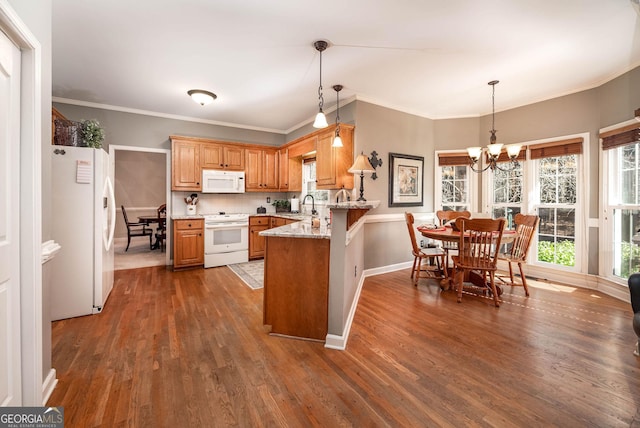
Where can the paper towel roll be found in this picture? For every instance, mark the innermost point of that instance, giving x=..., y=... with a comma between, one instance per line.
x=295, y=205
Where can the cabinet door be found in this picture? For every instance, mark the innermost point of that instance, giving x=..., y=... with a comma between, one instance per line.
x=188, y=244
x=325, y=161
x=212, y=156
x=234, y=158
x=256, y=242
x=253, y=170
x=283, y=170
x=185, y=165
x=270, y=169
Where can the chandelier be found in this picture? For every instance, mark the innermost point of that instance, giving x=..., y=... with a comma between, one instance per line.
x=494, y=149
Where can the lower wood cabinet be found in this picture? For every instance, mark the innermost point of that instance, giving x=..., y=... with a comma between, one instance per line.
x=256, y=225
x=188, y=243
x=256, y=242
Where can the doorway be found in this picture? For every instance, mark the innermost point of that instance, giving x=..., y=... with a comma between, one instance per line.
x=142, y=182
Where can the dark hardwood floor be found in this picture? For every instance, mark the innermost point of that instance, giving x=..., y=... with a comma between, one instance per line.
x=189, y=349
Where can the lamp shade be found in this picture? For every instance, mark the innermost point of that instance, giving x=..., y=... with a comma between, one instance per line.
x=361, y=165
x=494, y=149
x=513, y=150
x=337, y=141
x=321, y=120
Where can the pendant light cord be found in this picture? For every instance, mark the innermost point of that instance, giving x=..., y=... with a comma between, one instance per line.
x=320, y=98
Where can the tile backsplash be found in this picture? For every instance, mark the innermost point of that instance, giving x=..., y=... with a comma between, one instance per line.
x=209, y=203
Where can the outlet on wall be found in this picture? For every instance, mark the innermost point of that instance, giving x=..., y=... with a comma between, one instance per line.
x=268, y=199
x=422, y=243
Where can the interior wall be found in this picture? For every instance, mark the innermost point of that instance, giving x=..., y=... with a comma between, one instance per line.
x=139, y=130
x=387, y=131
x=140, y=185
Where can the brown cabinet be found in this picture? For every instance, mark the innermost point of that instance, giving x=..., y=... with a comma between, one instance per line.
x=283, y=170
x=296, y=286
x=185, y=165
x=261, y=172
x=222, y=156
x=188, y=243
x=333, y=163
x=256, y=242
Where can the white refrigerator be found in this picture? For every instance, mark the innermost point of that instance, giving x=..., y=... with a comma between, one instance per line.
x=84, y=216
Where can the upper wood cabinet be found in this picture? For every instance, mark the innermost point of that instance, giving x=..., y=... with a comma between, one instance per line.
x=185, y=165
x=283, y=170
x=222, y=156
x=266, y=168
x=332, y=163
x=261, y=172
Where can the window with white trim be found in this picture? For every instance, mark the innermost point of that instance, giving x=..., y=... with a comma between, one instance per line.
x=621, y=166
x=558, y=167
x=455, y=185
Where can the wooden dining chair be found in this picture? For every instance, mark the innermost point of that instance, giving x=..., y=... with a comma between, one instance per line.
x=526, y=226
x=161, y=231
x=136, y=229
x=424, y=258
x=445, y=216
x=478, y=252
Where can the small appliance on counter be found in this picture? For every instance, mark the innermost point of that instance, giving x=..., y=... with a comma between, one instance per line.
x=295, y=205
x=261, y=210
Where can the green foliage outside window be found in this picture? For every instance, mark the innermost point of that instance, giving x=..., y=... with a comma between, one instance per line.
x=630, y=259
x=561, y=253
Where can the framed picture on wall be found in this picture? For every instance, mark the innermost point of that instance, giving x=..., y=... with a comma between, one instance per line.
x=406, y=179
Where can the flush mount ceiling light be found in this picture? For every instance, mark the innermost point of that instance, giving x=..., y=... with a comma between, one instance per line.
x=321, y=120
x=494, y=149
x=201, y=96
x=337, y=141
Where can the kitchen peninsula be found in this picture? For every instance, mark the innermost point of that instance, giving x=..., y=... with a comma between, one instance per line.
x=311, y=275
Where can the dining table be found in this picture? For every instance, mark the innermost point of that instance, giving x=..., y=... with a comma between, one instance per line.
x=448, y=234
x=152, y=219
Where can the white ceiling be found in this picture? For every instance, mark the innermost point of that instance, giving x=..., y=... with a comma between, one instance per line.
x=432, y=58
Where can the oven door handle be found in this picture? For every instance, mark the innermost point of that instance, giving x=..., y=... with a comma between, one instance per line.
x=226, y=226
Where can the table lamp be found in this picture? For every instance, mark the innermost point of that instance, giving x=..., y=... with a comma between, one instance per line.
x=361, y=166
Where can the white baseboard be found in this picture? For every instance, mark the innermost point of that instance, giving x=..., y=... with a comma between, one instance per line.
x=333, y=341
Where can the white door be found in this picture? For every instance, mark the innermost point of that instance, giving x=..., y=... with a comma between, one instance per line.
x=10, y=381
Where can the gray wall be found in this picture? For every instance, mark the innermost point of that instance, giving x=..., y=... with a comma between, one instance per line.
x=128, y=129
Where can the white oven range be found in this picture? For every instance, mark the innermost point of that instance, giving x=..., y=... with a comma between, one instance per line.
x=226, y=239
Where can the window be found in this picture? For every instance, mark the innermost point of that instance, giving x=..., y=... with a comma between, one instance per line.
x=454, y=182
x=621, y=153
x=557, y=200
x=309, y=182
x=507, y=193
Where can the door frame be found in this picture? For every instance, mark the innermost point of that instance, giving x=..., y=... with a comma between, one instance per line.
x=113, y=148
x=34, y=386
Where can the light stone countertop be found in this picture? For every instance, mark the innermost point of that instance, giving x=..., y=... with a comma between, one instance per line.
x=301, y=229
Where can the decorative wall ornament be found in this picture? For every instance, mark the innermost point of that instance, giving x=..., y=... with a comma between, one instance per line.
x=375, y=163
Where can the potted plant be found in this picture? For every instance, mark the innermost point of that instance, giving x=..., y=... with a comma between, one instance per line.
x=282, y=205
x=91, y=133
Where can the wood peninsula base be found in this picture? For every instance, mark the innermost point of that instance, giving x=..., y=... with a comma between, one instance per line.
x=296, y=286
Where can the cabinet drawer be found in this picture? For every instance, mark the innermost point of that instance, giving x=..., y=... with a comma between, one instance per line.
x=259, y=221
x=189, y=224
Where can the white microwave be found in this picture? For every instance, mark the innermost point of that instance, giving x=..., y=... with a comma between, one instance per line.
x=217, y=181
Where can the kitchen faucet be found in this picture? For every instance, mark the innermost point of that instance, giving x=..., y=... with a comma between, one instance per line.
x=313, y=204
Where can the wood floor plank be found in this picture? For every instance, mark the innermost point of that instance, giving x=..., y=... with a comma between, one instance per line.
x=189, y=349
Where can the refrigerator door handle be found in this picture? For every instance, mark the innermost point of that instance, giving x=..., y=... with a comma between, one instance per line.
x=108, y=192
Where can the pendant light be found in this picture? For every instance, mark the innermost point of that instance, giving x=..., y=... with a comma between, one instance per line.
x=337, y=141
x=321, y=119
